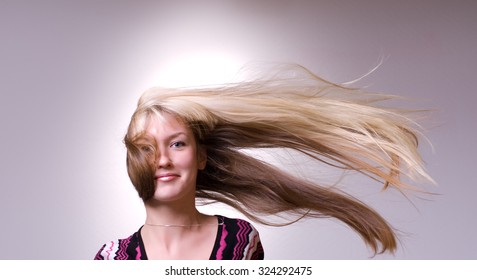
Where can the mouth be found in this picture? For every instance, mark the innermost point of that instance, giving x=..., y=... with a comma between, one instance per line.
x=166, y=177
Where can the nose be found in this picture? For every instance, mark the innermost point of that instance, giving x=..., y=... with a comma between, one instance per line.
x=163, y=160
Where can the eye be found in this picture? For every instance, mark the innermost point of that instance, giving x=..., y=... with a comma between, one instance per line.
x=178, y=144
x=147, y=149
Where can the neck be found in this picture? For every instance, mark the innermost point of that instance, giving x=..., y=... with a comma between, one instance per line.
x=172, y=214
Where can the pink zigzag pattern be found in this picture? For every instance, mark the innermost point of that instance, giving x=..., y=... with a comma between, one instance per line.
x=223, y=244
x=123, y=245
x=241, y=238
x=108, y=251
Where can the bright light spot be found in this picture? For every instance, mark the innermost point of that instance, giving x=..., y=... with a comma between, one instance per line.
x=200, y=69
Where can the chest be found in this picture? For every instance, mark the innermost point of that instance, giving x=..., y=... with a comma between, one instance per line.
x=197, y=245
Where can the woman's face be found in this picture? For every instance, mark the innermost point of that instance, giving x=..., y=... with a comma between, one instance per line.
x=177, y=159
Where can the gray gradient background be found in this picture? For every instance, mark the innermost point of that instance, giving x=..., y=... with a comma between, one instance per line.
x=71, y=72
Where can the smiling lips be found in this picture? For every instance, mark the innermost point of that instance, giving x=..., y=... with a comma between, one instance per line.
x=167, y=177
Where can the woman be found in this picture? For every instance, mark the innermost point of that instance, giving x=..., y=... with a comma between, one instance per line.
x=187, y=144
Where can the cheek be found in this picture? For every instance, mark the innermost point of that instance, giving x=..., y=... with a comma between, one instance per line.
x=188, y=161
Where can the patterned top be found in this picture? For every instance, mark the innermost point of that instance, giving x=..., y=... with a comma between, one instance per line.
x=236, y=240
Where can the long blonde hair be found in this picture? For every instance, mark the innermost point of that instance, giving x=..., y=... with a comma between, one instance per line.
x=329, y=123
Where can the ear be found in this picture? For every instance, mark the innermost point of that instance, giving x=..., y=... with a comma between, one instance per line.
x=202, y=157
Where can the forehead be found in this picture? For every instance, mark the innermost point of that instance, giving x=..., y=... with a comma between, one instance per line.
x=165, y=125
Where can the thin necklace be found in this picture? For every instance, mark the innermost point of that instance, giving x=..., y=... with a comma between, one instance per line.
x=221, y=222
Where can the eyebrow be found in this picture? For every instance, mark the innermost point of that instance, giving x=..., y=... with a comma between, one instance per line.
x=174, y=135
x=146, y=139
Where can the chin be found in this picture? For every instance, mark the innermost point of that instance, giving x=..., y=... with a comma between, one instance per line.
x=171, y=196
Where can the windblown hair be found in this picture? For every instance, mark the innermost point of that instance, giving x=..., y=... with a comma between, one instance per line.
x=330, y=123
